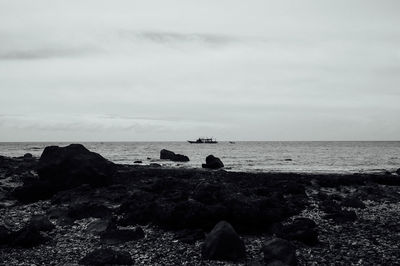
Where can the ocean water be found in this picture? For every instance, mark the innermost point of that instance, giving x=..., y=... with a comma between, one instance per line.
x=306, y=157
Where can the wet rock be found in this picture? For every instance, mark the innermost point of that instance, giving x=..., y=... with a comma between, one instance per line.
x=41, y=222
x=138, y=161
x=157, y=165
x=398, y=171
x=117, y=236
x=213, y=162
x=303, y=230
x=277, y=251
x=170, y=155
x=223, y=243
x=107, y=256
x=353, y=203
x=27, y=237
x=28, y=156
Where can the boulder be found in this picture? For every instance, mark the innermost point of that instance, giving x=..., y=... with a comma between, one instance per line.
x=223, y=243
x=213, y=162
x=100, y=226
x=138, y=161
x=5, y=234
x=89, y=209
x=170, y=155
x=41, y=222
x=28, y=236
x=278, y=250
x=107, y=256
x=118, y=236
x=398, y=171
x=353, y=203
x=73, y=165
x=303, y=230
x=28, y=156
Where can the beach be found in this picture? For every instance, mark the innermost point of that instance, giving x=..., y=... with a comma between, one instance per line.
x=161, y=215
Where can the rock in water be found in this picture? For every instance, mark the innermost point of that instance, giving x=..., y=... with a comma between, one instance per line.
x=170, y=155
x=398, y=171
x=213, y=162
x=73, y=165
x=278, y=250
x=223, y=243
x=107, y=256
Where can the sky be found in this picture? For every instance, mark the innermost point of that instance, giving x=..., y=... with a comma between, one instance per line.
x=83, y=70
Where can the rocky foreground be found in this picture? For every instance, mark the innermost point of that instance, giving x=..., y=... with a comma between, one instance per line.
x=73, y=207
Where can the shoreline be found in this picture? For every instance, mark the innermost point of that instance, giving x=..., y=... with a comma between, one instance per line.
x=355, y=215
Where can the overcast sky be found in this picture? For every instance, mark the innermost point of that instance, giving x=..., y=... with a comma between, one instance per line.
x=176, y=70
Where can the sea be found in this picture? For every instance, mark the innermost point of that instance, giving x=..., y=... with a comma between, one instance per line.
x=248, y=156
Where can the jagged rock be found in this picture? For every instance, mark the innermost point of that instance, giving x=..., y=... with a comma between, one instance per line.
x=223, y=243
x=353, y=203
x=41, y=222
x=213, y=162
x=170, y=155
x=107, y=256
x=302, y=229
x=118, y=236
x=28, y=236
x=278, y=250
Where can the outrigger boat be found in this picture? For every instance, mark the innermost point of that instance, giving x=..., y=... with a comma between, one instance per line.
x=203, y=141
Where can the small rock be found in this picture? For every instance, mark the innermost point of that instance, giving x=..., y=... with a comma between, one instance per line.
x=120, y=236
x=302, y=229
x=155, y=165
x=100, y=226
x=138, y=161
x=223, y=243
x=4, y=235
x=107, y=256
x=27, y=237
x=41, y=222
x=277, y=251
x=353, y=203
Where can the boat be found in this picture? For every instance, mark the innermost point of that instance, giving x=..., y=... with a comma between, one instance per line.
x=203, y=141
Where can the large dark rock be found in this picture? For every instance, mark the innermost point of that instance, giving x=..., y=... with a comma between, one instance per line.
x=278, y=250
x=41, y=222
x=398, y=171
x=342, y=216
x=170, y=155
x=223, y=243
x=28, y=236
x=303, y=230
x=353, y=203
x=73, y=165
x=5, y=235
x=107, y=256
x=89, y=209
x=213, y=162
x=117, y=236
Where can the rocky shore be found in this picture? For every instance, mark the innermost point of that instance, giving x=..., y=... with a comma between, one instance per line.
x=71, y=206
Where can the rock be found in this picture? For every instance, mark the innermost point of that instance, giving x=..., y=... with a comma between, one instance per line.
x=353, y=203
x=213, y=162
x=41, y=222
x=100, y=226
x=278, y=250
x=170, y=155
x=107, y=256
x=342, y=216
x=73, y=165
x=28, y=156
x=5, y=235
x=28, y=236
x=118, y=236
x=398, y=171
x=91, y=209
x=155, y=165
x=138, y=161
x=189, y=236
x=303, y=230
x=223, y=243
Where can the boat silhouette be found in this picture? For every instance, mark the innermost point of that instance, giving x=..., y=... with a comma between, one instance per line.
x=203, y=141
